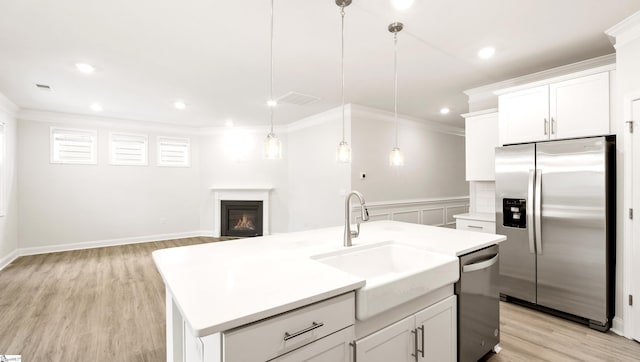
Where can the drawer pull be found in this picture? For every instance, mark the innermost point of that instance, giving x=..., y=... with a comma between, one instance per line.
x=475, y=227
x=314, y=325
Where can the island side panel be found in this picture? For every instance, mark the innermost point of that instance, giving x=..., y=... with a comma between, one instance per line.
x=175, y=329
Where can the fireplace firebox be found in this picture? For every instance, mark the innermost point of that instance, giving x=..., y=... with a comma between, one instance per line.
x=240, y=218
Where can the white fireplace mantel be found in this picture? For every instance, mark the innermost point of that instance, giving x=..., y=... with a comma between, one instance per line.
x=243, y=193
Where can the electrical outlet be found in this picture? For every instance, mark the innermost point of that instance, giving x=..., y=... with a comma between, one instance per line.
x=363, y=175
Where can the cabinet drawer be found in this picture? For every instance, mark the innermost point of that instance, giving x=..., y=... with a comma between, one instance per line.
x=475, y=225
x=275, y=336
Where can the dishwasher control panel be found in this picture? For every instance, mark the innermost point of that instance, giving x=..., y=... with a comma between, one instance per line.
x=514, y=213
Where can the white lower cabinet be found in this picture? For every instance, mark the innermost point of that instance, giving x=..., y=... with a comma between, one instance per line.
x=428, y=335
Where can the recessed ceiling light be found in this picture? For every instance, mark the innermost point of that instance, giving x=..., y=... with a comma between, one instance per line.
x=402, y=4
x=486, y=53
x=444, y=110
x=85, y=68
x=96, y=107
x=272, y=103
x=229, y=123
x=179, y=105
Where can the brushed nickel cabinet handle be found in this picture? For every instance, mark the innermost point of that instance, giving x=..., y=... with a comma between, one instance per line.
x=475, y=227
x=415, y=344
x=422, y=334
x=314, y=325
x=546, y=127
x=553, y=126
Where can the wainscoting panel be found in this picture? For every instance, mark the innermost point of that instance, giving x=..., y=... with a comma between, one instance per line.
x=436, y=212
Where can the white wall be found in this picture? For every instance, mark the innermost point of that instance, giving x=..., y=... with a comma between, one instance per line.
x=317, y=183
x=68, y=204
x=9, y=221
x=434, y=158
x=233, y=157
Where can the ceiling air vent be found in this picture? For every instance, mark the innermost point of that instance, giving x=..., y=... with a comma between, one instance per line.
x=298, y=99
x=43, y=87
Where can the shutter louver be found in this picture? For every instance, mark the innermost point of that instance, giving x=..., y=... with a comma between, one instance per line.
x=173, y=152
x=73, y=146
x=128, y=149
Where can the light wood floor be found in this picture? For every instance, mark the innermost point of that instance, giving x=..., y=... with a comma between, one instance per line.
x=107, y=304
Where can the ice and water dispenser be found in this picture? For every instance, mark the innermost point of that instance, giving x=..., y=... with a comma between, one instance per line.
x=514, y=213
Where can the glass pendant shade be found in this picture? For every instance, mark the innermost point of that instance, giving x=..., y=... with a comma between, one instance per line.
x=272, y=147
x=396, y=158
x=343, y=153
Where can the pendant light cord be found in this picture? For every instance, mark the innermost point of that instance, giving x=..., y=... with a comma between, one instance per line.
x=342, y=64
x=395, y=84
x=271, y=106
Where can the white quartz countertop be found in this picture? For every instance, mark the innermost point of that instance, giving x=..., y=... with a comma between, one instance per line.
x=224, y=285
x=477, y=216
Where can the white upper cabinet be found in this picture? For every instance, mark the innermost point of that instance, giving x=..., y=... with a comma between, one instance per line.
x=524, y=115
x=576, y=107
x=580, y=107
x=481, y=139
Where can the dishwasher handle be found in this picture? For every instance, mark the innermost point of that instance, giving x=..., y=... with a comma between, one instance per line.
x=468, y=268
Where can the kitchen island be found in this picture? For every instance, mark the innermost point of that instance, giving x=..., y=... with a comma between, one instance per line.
x=269, y=297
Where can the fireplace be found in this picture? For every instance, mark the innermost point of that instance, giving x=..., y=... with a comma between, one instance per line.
x=241, y=218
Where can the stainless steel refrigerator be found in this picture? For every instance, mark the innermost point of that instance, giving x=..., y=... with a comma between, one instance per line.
x=555, y=202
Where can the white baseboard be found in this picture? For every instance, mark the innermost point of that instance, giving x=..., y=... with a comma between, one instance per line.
x=110, y=242
x=9, y=259
x=617, y=326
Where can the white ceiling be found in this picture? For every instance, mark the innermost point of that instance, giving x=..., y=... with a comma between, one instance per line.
x=214, y=54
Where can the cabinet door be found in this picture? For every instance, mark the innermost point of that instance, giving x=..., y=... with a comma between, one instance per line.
x=524, y=115
x=333, y=348
x=481, y=138
x=438, y=323
x=580, y=107
x=393, y=343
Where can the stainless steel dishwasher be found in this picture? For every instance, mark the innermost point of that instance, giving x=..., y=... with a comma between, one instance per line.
x=478, y=304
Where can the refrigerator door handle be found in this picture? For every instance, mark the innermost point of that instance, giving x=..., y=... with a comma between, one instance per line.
x=530, y=223
x=538, y=212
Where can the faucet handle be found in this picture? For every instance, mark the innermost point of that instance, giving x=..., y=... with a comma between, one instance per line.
x=354, y=234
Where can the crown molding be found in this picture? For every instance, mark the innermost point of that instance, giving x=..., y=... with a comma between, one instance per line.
x=479, y=113
x=380, y=115
x=590, y=66
x=95, y=121
x=625, y=31
x=7, y=106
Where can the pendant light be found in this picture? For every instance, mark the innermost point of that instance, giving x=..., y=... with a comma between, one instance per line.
x=343, y=153
x=395, y=158
x=272, y=145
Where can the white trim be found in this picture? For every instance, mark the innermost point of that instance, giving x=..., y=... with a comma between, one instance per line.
x=380, y=115
x=392, y=208
x=4, y=262
x=625, y=31
x=7, y=106
x=627, y=239
x=595, y=65
x=413, y=202
x=106, y=243
x=104, y=122
x=241, y=188
x=618, y=326
x=479, y=113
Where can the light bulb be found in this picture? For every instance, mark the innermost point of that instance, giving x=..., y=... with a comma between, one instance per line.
x=85, y=68
x=272, y=147
x=444, y=110
x=96, y=107
x=396, y=158
x=486, y=53
x=179, y=105
x=343, y=153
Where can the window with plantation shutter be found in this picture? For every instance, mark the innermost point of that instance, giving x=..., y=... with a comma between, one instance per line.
x=73, y=146
x=174, y=152
x=128, y=149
